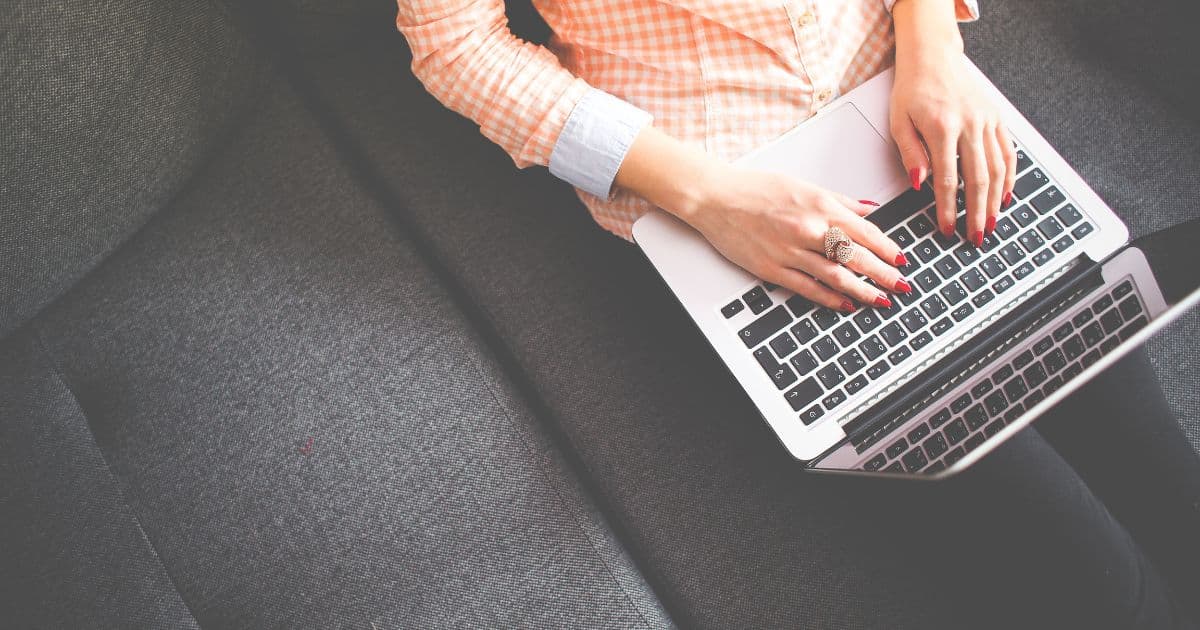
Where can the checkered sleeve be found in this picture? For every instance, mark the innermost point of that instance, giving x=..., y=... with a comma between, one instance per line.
x=466, y=57
x=964, y=10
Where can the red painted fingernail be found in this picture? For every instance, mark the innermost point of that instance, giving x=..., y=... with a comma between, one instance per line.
x=847, y=306
x=915, y=175
x=868, y=202
x=882, y=302
x=991, y=225
x=1007, y=199
x=902, y=286
x=948, y=231
x=978, y=240
x=901, y=260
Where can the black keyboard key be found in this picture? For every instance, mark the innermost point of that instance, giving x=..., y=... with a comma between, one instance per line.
x=875, y=463
x=799, y=305
x=856, y=384
x=896, y=467
x=1024, y=215
x=893, y=333
x=992, y=266
x=939, y=418
x=947, y=267
x=1108, y=345
x=921, y=225
x=1043, y=344
x=1012, y=253
x=765, y=326
x=926, y=250
x=914, y=460
x=1081, y=318
x=1055, y=361
x=811, y=414
x=953, y=292
x=960, y=403
x=1130, y=308
x=1035, y=375
x=1050, y=227
x=1003, y=374
x=1092, y=334
x=956, y=431
x=935, y=446
x=825, y=318
x=981, y=388
x=872, y=348
x=852, y=362
x=1003, y=284
x=1047, y=200
x=1111, y=321
x=913, y=320
x=1090, y=358
x=902, y=237
x=953, y=456
x=982, y=298
x=1063, y=331
x=1023, y=359
x=904, y=299
x=962, y=312
x=995, y=403
x=933, y=306
x=1074, y=347
x=801, y=395
x=1063, y=244
x=732, y=308
x=944, y=242
x=973, y=280
x=1123, y=289
x=993, y=428
x=897, y=448
x=1068, y=215
x=941, y=326
x=804, y=362
x=990, y=242
x=899, y=355
x=1052, y=385
x=966, y=254
x=846, y=334
x=867, y=320
x=757, y=294
x=1082, y=230
x=1132, y=327
x=921, y=340
x=1031, y=241
x=825, y=348
x=834, y=399
x=1023, y=161
x=1006, y=228
x=1022, y=270
x=877, y=370
x=764, y=358
x=976, y=417
x=1015, y=388
x=830, y=376
x=804, y=331
x=974, y=441
x=927, y=280
x=1101, y=305
x=1043, y=257
x=918, y=433
x=1029, y=183
x=784, y=345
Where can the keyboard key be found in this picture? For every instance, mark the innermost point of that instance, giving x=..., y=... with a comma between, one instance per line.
x=1111, y=321
x=732, y=308
x=830, y=376
x=1003, y=284
x=897, y=448
x=962, y=312
x=804, y=331
x=765, y=326
x=1063, y=244
x=846, y=334
x=834, y=399
x=1024, y=215
x=982, y=298
x=852, y=362
x=1052, y=385
x=784, y=345
x=1003, y=374
x=825, y=318
x=1074, y=347
x=918, y=433
x=1030, y=240
x=867, y=320
x=927, y=280
x=877, y=370
x=995, y=403
x=974, y=441
x=990, y=242
x=953, y=292
x=1055, y=361
x=947, y=267
x=1006, y=228
x=993, y=428
x=973, y=280
x=899, y=355
x=914, y=460
x=939, y=418
x=1123, y=289
x=1035, y=375
x=933, y=306
x=941, y=326
x=893, y=333
x=992, y=266
x=1047, y=200
x=902, y=237
x=875, y=463
x=856, y=384
x=825, y=348
x=894, y=468
x=1131, y=328
x=801, y=395
x=1022, y=270
x=1023, y=359
x=1068, y=215
x=872, y=348
x=799, y=305
x=921, y=340
x=1043, y=344
x=1092, y=334
x=1015, y=388
x=811, y=414
x=1023, y=161
x=926, y=250
x=920, y=225
x=944, y=242
x=906, y=299
x=1108, y=345
x=953, y=456
x=981, y=388
x=976, y=417
x=1043, y=257
x=1101, y=305
x=1081, y=318
x=935, y=446
x=1072, y=371
x=956, y=431
x=1130, y=308
x=1090, y=358
x=913, y=320
x=1012, y=253
x=1013, y=413
x=966, y=254
x=1029, y=183
x=1063, y=331
x=804, y=362
x=960, y=403
x=757, y=294
x=1082, y=230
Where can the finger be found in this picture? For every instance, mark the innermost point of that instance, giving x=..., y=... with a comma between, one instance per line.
x=997, y=170
x=945, y=179
x=805, y=285
x=1010, y=163
x=976, y=181
x=884, y=276
x=912, y=150
x=869, y=236
x=860, y=207
x=840, y=279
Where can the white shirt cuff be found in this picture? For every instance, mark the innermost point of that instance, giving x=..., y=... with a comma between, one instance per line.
x=594, y=141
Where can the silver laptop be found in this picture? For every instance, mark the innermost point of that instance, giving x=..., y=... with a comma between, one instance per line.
x=989, y=338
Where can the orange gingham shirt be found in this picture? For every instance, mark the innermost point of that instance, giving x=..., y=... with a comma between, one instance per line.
x=725, y=76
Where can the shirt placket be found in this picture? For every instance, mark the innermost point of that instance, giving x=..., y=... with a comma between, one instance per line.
x=814, y=56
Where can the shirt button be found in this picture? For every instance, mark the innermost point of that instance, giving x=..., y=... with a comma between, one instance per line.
x=805, y=19
x=824, y=95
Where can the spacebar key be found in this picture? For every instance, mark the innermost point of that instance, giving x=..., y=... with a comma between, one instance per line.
x=765, y=326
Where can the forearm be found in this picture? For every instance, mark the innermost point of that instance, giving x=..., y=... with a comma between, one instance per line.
x=926, y=31
x=668, y=173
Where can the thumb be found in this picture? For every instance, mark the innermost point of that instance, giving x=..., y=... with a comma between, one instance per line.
x=912, y=150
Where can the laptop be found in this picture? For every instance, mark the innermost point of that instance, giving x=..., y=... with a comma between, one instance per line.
x=989, y=338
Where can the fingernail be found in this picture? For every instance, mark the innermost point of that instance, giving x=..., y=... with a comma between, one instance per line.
x=902, y=286
x=1007, y=199
x=882, y=302
x=868, y=202
x=978, y=240
x=915, y=175
x=901, y=260
x=991, y=225
x=847, y=306
x=948, y=231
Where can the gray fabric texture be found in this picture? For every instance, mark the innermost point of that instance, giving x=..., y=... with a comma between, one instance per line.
x=305, y=425
x=107, y=109
x=708, y=500
x=72, y=555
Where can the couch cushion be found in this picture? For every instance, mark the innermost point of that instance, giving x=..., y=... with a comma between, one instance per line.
x=306, y=426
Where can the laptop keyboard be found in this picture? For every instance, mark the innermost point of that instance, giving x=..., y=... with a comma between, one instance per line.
x=1003, y=395
x=817, y=358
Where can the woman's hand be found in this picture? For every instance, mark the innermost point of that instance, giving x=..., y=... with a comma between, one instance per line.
x=941, y=119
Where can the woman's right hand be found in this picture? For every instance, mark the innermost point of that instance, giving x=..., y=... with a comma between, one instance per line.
x=773, y=226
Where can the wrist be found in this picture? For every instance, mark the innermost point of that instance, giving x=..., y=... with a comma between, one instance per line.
x=926, y=33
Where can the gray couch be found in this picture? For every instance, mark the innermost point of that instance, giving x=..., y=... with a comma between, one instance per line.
x=284, y=344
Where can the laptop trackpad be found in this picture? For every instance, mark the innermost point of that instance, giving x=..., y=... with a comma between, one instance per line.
x=839, y=150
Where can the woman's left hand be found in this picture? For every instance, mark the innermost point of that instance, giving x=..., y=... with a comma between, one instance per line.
x=938, y=105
